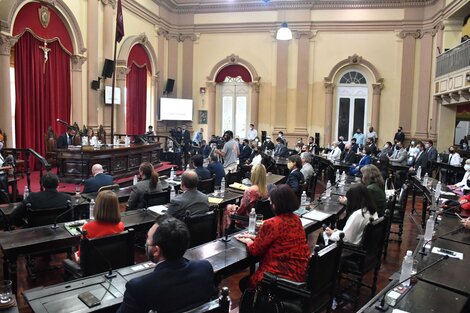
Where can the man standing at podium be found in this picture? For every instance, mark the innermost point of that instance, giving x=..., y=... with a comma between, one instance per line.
x=65, y=140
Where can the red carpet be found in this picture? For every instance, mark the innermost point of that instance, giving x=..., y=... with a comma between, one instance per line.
x=68, y=187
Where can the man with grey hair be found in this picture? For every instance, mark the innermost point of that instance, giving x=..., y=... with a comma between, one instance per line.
x=307, y=168
x=335, y=153
x=98, y=180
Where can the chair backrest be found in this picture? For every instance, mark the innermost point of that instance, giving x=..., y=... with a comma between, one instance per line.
x=48, y=216
x=373, y=240
x=4, y=197
x=156, y=198
x=98, y=255
x=202, y=227
x=312, y=184
x=231, y=178
x=403, y=196
x=220, y=305
x=263, y=206
x=206, y=186
x=113, y=187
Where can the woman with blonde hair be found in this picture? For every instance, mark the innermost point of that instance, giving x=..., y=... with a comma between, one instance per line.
x=149, y=183
x=257, y=191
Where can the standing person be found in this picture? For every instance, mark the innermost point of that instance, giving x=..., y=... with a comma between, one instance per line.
x=431, y=151
x=149, y=183
x=176, y=284
x=98, y=180
x=281, y=243
x=185, y=142
x=399, y=135
x=65, y=140
x=252, y=133
x=372, y=134
x=197, y=138
x=150, y=134
x=230, y=152
x=360, y=138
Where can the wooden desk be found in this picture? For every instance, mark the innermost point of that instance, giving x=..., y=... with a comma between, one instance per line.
x=74, y=165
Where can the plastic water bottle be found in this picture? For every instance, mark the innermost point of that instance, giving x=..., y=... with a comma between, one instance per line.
x=437, y=192
x=338, y=176
x=418, y=172
x=135, y=180
x=172, y=193
x=222, y=186
x=328, y=189
x=429, y=228
x=406, y=268
x=272, y=153
x=92, y=209
x=303, y=198
x=25, y=192
x=425, y=179
x=187, y=167
x=252, y=222
x=172, y=173
x=343, y=177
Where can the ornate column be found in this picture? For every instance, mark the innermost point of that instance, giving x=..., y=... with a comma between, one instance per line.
x=376, y=93
x=108, y=48
x=210, y=108
x=173, y=62
x=77, y=108
x=153, y=117
x=255, y=85
x=437, y=101
x=92, y=71
x=121, y=75
x=424, y=85
x=188, y=54
x=280, y=105
x=407, y=78
x=6, y=42
x=329, y=91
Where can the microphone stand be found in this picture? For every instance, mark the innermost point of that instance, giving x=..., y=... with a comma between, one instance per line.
x=70, y=208
x=382, y=306
x=423, y=249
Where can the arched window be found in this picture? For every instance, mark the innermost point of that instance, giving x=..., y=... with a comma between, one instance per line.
x=351, y=107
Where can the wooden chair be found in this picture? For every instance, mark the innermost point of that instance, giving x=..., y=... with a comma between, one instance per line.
x=98, y=255
x=48, y=216
x=113, y=187
x=232, y=177
x=156, y=198
x=263, y=206
x=397, y=217
x=101, y=134
x=220, y=305
x=206, y=186
x=50, y=141
x=315, y=294
x=202, y=227
x=366, y=256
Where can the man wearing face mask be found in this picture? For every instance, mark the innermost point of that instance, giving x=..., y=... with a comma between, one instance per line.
x=267, y=145
x=399, y=155
x=354, y=145
x=348, y=156
x=341, y=143
x=420, y=161
x=281, y=150
x=176, y=284
x=372, y=146
x=230, y=152
x=335, y=153
x=252, y=133
x=386, y=150
x=399, y=135
x=431, y=151
x=464, y=184
x=360, y=138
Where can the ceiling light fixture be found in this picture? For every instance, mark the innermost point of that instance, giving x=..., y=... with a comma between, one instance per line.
x=284, y=33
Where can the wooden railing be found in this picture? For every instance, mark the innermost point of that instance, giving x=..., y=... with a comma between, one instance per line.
x=454, y=59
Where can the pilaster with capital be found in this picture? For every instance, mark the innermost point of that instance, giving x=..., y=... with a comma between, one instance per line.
x=424, y=86
x=121, y=74
x=77, y=105
x=108, y=44
x=93, y=111
x=210, y=87
x=376, y=93
x=329, y=90
x=255, y=86
x=6, y=42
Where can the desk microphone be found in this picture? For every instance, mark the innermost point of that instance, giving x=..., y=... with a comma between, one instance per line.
x=62, y=122
x=423, y=249
x=382, y=306
x=84, y=234
x=70, y=207
x=319, y=197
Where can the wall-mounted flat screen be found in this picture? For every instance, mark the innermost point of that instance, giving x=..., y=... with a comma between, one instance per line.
x=172, y=109
x=108, y=90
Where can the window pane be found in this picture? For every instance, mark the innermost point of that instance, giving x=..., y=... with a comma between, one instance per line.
x=227, y=113
x=240, y=117
x=359, y=108
x=343, y=118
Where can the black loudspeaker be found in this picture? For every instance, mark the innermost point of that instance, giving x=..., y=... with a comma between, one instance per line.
x=169, y=86
x=263, y=135
x=95, y=84
x=108, y=68
x=317, y=138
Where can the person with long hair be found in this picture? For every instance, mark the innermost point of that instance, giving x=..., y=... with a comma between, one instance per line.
x=374, y=182
x=281, y=243
x=359, y=210
x=149, y=183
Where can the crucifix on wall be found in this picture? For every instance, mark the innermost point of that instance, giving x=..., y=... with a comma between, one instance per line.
x=46, y=50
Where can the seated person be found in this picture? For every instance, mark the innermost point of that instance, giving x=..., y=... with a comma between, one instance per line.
x=202, y=172
x=348, y=156
x=98, y=180
x=373, y=180
x=307, y=168
x=47, y=199
x=335, y=153
x=245, y=152
x=216, y=169
x=359, y=209
x=107, y=218
x=205, y=149
x=149, y=183
x=464, y=184
x=191, y=199
x=257, y=191
x=281, y=150
x=295, y=179
x=176, y=284
x=365, y=160
x=254, y=153
x=267, y=145
x=65, y=140
x=372, y=146
x=386, y=150
x=399, y=156
x=281, y=243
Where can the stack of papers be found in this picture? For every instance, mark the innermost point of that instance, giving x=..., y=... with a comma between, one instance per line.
x=159, y=209
x=317, y=215
x=239, y=186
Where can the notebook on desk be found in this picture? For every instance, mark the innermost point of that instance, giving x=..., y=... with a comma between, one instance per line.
x=239, y=186
x=317, y=215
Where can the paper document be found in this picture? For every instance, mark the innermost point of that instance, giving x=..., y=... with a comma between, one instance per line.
x=159, y=209
x=450, y=253
x=239, y=186
x=317, y=215
x=215, y=200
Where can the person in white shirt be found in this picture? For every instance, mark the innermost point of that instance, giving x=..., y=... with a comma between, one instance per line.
x=307, y=168
x=335, y=153
x=454, y=157
x=462, y=185
x=359, y=209
x=252, y=133
x=372, y=134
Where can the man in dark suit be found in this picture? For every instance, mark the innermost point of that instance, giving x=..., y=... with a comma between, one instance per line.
x=185, y=142
x=176, y=284
x=431, y=151
x=216, y=169
x=267, y=145
x=348, y=156
x=191, y=199
x=354, y=145
x=98, y=180
x=281, y=150
x=245, y=152
x=49, y=198
x=341, y=144
x=202, y=172
x=399, y=135
x=421, y=160
x=66, y=139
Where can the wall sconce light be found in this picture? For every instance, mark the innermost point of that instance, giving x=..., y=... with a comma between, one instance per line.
x=202, y=92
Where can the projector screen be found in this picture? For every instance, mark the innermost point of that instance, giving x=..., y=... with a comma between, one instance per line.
x=108, y=95
x=172, y=109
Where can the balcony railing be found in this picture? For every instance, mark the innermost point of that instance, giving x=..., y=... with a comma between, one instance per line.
x=454, y=59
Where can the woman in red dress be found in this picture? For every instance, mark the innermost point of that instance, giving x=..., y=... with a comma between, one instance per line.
x=281, y=243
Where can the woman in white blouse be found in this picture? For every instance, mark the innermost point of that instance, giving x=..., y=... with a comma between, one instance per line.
x=462, y=185
x=360, y=209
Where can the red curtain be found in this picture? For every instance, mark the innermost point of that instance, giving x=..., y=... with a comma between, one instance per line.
x=136, y=102
x=43, y=91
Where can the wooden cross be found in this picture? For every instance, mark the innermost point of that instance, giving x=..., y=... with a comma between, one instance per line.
x=46, y=50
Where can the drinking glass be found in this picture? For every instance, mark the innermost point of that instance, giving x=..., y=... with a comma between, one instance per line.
x=259, y=221
x=217, y=191
x=5, y=291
